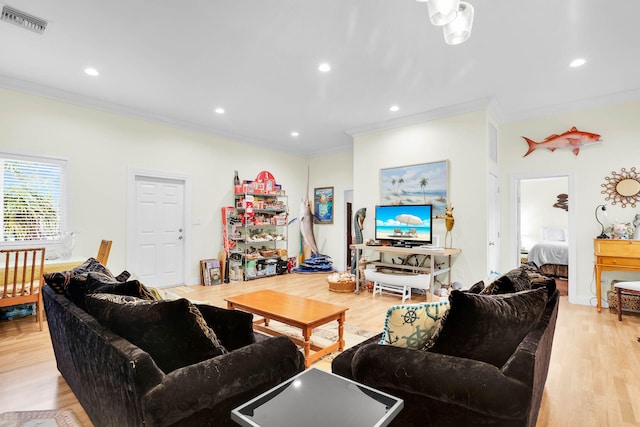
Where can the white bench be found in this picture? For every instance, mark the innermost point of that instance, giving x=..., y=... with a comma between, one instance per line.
x=397, y=283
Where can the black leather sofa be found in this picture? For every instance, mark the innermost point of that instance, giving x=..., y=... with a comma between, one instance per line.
x=442, y=389
x=119, y=384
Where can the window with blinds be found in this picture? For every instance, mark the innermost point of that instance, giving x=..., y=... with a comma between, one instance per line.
x=33, y=199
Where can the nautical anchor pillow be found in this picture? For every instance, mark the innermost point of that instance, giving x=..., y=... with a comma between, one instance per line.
x=411, y=325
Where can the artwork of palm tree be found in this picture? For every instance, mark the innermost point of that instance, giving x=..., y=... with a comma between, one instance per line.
x=424, y=183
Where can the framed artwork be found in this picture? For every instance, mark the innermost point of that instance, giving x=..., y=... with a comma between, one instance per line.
x=425, y=183
x=210, y=272
x=323, y=205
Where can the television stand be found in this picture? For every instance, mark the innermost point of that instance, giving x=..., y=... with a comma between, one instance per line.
x=416, y=250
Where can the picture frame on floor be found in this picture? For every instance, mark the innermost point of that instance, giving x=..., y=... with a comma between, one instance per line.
x=210, y=272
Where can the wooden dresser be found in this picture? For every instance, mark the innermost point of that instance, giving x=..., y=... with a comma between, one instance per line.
x=610, y=255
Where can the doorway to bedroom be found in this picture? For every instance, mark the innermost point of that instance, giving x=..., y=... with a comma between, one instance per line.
x=543, y=225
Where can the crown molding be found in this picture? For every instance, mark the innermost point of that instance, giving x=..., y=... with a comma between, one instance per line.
x=109, y=107
x=438, y=113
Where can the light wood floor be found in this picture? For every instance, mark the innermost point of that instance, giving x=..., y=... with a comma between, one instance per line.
x=594, y=377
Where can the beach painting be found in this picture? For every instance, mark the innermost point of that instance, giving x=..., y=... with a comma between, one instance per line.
x=425, y=183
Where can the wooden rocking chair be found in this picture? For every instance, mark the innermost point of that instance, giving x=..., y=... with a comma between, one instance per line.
x=22, y=273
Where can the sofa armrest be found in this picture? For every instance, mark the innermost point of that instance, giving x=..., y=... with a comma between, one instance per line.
x=203, y=385
x=474, y=385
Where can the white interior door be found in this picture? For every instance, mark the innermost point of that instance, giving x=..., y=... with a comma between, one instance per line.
x=493, y=254
x=159, y=231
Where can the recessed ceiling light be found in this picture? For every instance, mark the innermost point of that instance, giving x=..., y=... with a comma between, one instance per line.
x=577, y=63
x=324, y=67
x=219, y=110
x=295, y=134
x=91, y=71
x=394, y=108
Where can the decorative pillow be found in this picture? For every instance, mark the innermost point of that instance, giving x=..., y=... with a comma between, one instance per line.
x=234, y=328
x=539, y=279
x=123, y=277
x=91, y=282
x=476, y=288
x=488, y=328
x=60, y=280
x=515, y=280
x=411, y=325
x=553, y=234
x=98, y=283
x=174, y=332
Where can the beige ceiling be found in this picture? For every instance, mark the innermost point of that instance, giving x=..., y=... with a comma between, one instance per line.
x=175, y=61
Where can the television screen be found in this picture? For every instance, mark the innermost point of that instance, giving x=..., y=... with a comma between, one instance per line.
x=404, y=224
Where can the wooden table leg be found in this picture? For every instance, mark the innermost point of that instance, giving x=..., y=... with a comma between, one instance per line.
x=598, y=288
x=341, y=332
x=306, y=333
x=619, y=300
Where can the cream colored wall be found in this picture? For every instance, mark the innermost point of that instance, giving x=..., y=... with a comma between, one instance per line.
x=101, y=147
x=332, y=170
x=463, y=141
x=620, y=130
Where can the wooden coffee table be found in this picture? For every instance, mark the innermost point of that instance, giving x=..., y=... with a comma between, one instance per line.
x=303, y=313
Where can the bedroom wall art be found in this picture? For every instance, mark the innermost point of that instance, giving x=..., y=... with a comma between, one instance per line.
x=425, y=183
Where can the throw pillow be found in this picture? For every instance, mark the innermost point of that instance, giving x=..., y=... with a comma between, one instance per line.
x=98, y=283
x=515, y=280
x=411, y=325
x=234, y=328
x=488, y=328
x=61, y=279
x=476, y=288
x=91, y=282
x=174, y=332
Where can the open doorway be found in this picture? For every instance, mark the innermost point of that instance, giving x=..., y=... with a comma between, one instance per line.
x=543, y=231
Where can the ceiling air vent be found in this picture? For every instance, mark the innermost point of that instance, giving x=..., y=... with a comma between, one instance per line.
x=24, y=20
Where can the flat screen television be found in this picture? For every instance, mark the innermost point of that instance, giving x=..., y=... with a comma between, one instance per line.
x=404, y=225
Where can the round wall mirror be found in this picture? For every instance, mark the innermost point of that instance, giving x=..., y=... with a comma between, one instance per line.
x=623, y=187
x=628, y=187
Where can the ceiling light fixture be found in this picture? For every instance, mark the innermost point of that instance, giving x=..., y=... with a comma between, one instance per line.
x=394, y=108
x=295, y=134
x=459, y=30
x=324, y=67
x=578, y=62
x=454, y=16
x=91, y=72
x=219, y=110
x=442, y=12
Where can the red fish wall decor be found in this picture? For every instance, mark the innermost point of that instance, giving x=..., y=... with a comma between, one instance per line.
x=573, y=140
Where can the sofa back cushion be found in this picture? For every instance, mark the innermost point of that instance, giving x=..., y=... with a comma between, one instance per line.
x=59, y=280
x=234, y=328
x=515, y=280
x=174, y=332
x=488, y=328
